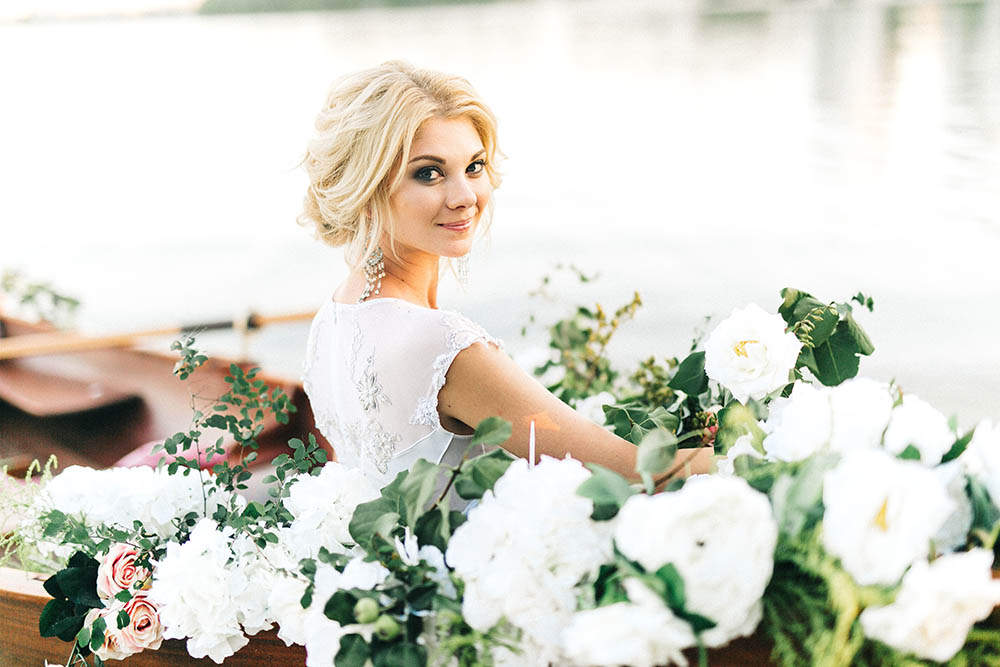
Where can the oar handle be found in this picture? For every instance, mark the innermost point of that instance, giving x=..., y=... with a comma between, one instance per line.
x=62, y=342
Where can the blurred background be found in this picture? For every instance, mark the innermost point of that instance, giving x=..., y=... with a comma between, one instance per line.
x=706, y=153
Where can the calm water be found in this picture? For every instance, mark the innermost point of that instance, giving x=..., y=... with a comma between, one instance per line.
x=704, y=156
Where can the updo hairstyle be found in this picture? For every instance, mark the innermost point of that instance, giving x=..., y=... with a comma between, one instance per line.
x=363, y=136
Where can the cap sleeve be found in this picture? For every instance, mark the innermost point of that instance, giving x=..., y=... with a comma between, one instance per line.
x=458, y=333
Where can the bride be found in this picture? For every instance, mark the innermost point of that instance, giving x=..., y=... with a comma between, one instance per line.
x=402, y=172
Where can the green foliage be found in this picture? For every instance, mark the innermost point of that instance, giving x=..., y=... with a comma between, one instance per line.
x=690, y=376
x=39, y=300
x=633, y=420
x=832, y=340
x=607, y=489
x=656, y=455
x=481, y=473
x=74, y=593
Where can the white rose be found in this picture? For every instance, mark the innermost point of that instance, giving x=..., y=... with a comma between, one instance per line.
x=720, y=534
x=982, y=457
x=936, y=605
x=860, y=412
x=800, y=425
x=750, y=354
x=881, y=514
x=915, y=422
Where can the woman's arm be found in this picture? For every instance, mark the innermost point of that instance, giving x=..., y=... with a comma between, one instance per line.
x=484, y=382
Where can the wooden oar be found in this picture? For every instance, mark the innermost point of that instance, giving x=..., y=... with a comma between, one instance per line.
x=61, y=342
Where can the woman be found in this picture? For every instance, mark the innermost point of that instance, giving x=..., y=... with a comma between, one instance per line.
x=401, y=173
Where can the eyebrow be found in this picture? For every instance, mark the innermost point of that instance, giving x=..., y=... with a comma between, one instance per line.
x=434, y=158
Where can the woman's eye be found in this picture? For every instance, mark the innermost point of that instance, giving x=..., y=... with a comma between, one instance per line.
x=476, y=167
x=427, y=173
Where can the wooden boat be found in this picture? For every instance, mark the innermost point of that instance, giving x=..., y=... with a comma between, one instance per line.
x=106, y=407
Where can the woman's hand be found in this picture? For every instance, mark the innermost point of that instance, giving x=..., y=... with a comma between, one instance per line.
x=484, y=382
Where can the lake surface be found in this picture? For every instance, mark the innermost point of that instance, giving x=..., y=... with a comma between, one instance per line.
x=706, y=154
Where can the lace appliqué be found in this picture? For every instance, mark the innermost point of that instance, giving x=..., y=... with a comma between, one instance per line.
x=462, y=333
x=376, y=444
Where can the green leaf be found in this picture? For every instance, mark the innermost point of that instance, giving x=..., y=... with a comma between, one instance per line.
x=492, y=431
x=959, y=447
x=673, y=586
x=433, y=529
x=354, y=651
x=83, y=637
x=59, y=620
x=656, y=454
x=837, y=359
x=796, y=304
x=478, y=475
x=862, y=342
x=367, y=515
x=400, y=654
x=690, y=376
x=911, y=453
x=797, y=494
x=122, y=619
x=417, y=489
x=607, y=489
x=97, y=634
x=985, y=514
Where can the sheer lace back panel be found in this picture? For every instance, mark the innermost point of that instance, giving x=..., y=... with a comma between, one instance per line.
x=373, y=372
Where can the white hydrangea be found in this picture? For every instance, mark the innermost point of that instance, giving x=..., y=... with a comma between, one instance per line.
x=916, y=422
x=640, y=633
x=881, y=514
x=119, y=496
x=205, y=598
x=323, y=506
x=800, y=425
x=322, y=635
x=525, y=548
x=750, y=353
x=937, y=605
x=720, y=534
x=982, y=457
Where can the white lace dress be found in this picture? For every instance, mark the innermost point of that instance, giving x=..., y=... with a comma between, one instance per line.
x=373, y=372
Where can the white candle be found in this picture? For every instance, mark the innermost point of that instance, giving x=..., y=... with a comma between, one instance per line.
x=531, y=445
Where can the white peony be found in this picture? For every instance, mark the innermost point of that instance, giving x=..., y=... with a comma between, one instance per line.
x=720, y=534
x=916, y=422
x=526, y=547
x=205, y=592
x=750, y=353
x=800, y=425
x=860, y=411
x=936, y=605
x=881, y=514
x=640, y=633
x=982, y=457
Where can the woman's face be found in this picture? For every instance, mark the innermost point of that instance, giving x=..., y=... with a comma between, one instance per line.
x=445, y=189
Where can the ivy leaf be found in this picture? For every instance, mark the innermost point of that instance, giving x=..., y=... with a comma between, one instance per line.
x=607, y=489
x=690, y=376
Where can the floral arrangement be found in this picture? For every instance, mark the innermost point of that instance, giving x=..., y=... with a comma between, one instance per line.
x=849, y=523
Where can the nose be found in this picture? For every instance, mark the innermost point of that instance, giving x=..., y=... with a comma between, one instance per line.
x=460, y=194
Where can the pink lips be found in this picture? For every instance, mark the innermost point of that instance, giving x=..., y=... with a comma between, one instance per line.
x=459, y=226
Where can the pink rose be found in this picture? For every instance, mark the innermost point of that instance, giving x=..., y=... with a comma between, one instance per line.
x=113, y=648
x=118, y=571
x=143, y=630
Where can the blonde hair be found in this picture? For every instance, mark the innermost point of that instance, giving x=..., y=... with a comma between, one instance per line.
x=364, y=134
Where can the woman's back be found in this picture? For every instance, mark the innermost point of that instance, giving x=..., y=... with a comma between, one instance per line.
x=373, y=372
